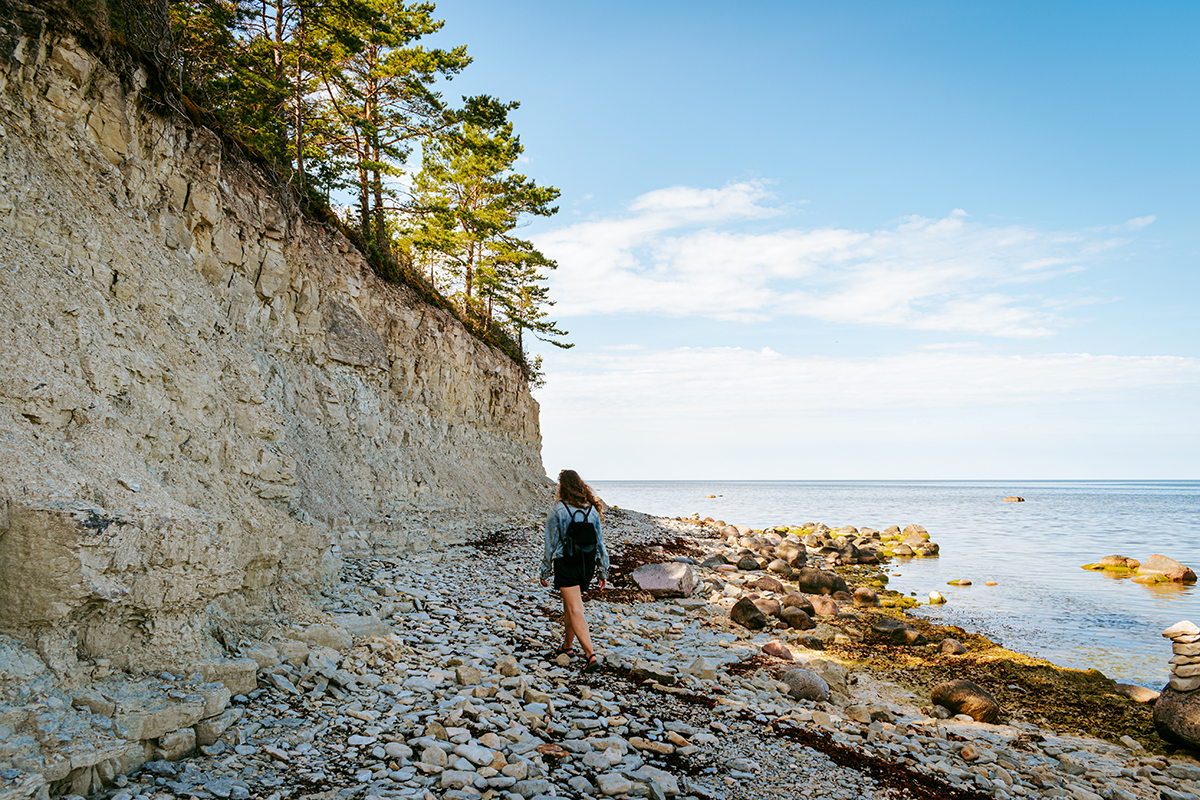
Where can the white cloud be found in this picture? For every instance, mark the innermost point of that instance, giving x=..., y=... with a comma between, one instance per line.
x=695, y=413
x=1137, y=223
x=717, y=382
x=682, y=251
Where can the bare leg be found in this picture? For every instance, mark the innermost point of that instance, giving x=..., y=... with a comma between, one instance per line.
x=576, y=623
x=568, y=628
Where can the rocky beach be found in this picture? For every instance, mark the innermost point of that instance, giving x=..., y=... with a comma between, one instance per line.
x=434, y=676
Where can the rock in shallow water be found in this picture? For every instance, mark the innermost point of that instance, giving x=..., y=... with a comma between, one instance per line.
x=1159, y=567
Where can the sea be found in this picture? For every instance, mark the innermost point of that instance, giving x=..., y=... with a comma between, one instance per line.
x=1042, y=602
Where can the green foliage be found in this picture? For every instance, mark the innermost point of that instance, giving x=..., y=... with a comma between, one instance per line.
x=467, y=202
x=336, y=95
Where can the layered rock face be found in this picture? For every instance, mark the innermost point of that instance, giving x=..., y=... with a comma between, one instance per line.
x=205, y=399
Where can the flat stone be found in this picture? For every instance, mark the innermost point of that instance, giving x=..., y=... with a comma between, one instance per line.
x=1184, y=628
x=457, y=779
x=670, y=579
x=239, y=675
x=662, y=748
x=479, y=756
x=614, y=783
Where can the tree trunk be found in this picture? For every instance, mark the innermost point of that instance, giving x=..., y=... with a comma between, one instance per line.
x=364, y=195
x=364, y=178
x=298, y=99
x=381, y=237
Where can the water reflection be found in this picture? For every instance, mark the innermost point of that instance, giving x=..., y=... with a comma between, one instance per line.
x=1172, y=592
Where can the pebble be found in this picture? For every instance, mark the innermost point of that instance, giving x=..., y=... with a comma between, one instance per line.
x=463, y=697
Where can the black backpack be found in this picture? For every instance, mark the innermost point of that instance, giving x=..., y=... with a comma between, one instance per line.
x=581, y=534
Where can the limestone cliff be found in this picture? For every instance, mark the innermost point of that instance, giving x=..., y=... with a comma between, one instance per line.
x=205, y=398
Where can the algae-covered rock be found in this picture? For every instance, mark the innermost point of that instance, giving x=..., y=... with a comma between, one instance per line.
x=1117, y=564
x=1161, y=569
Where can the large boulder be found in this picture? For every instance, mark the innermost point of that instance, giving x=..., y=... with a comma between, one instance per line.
x=824, y=606
x=965, y=697
x=1160, y=568
x=748, y=563
x=793, y=553
x=800, y=601
x=770, y=607
x=748, y=615
x=811, y=580
x=1177, y=717
x=671, y=579
x=805, y=685
x=767, y=584
x=796, y=618
x=865, y=597
x=898, y=631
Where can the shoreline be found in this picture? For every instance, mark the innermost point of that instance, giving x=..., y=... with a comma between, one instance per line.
x=1019, y=680
x=431, y=676
x=1042, y=602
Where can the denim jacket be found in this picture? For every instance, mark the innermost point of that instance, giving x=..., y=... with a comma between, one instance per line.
x=556, y=536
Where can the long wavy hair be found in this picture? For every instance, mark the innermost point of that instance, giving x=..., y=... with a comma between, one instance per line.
x=572, y=491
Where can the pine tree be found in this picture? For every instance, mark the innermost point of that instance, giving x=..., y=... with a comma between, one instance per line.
x=383, y=97
x=467, y=202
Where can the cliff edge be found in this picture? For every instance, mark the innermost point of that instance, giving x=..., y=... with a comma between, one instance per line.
x=206, y=399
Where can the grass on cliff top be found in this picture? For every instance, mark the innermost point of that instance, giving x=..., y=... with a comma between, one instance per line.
x=1029, y=689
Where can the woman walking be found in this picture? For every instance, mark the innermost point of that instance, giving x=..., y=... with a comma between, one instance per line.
x=574, y=552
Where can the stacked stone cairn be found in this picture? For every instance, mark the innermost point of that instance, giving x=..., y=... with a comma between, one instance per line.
x=1185, y=664
x=1177, y=710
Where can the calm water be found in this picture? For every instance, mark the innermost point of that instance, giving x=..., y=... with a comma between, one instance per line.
x=1043, y=603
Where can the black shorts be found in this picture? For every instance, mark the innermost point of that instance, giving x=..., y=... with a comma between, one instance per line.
x=574, y=571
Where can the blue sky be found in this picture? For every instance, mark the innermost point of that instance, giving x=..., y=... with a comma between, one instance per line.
x=861, y=239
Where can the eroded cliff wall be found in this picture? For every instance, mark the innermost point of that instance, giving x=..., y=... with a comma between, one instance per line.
x=204, y=397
